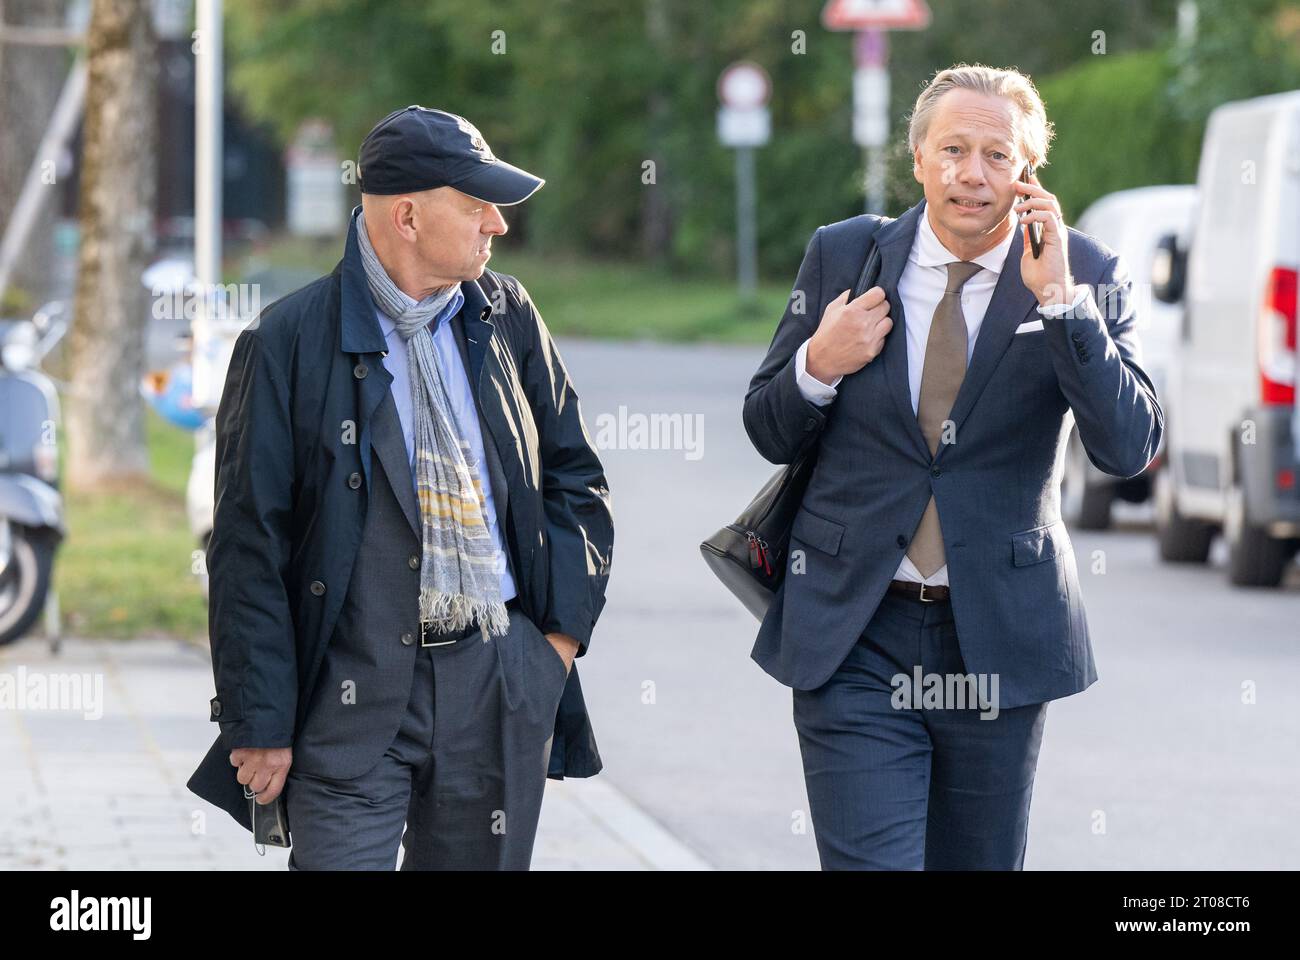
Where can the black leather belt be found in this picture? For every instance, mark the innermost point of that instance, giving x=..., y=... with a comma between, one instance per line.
x=432, y=638
x=918, y=591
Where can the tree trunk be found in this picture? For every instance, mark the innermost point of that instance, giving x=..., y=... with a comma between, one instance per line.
x=656, y=203
x=106, y=441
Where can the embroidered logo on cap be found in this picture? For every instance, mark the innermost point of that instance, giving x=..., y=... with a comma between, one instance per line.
x=476, y=140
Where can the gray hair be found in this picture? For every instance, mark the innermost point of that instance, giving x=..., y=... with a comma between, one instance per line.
x=1033, y=130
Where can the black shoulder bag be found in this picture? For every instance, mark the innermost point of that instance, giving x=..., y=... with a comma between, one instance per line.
x=749, y=555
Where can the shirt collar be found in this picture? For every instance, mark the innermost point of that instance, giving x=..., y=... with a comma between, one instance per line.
x=388, y=325
x=930, y=251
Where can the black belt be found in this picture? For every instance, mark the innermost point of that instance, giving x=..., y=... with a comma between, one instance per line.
x=433, y=638
x=926, y=593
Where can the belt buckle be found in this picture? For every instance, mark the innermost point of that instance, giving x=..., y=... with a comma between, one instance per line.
x=440, y=643
x=923, y=598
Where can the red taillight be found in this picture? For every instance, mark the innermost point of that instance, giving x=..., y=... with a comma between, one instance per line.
x=1277, y=342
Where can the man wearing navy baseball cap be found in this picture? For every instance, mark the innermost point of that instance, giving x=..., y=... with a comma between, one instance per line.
x=412, y=535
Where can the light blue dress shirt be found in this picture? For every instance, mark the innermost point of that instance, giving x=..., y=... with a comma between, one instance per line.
x=461, y=396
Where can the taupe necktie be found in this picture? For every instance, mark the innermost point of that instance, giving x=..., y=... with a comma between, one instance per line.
x=941, y=377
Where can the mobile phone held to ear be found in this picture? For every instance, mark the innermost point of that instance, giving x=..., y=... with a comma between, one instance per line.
x=1035, y=229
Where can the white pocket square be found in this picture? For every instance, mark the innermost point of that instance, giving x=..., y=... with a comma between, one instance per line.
x=1030, y=326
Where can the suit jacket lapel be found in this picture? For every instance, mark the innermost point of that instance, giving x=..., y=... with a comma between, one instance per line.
x=390, y=446
x=894, y=240
x=1011, y=301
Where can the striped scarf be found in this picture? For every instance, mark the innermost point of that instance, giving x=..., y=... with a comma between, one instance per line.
x=459, y=580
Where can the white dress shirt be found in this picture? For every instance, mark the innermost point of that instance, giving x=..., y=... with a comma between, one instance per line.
x=921, y=287
x=462, y=406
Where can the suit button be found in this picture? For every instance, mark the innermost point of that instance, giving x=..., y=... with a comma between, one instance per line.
x=413, y=561
x=317, y=588
x=408, y=639
x=935, y=471
x=354, y=480
x=360, y=371
x=216, y=708
x=901, y=541
x=810, y=424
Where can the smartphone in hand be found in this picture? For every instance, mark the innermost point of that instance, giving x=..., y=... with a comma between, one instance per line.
x=270, y=822
x=1035, y=229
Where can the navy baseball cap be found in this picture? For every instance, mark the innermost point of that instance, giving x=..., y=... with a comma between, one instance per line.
x=418, y=148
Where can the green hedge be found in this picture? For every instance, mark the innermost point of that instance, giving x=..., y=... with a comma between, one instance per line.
x=1116, y=128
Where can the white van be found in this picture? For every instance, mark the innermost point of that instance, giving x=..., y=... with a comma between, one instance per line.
x=1132, y=223
x=1233, y=436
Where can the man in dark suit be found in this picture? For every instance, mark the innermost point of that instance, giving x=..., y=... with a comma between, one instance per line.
x=412, y=534
x=931, y=606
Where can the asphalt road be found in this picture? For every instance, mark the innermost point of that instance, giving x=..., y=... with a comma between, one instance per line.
x=1158, y=765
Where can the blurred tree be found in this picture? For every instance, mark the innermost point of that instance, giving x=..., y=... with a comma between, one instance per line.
x=1107, y=113
x=1044, y=40
x=1240, y=49
x=31, y=77
x=588, y=92
x=1155, y=103
x=105, y=412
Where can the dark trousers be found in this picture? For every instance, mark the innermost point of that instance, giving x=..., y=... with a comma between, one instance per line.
x=465, y=774
x=913, y=788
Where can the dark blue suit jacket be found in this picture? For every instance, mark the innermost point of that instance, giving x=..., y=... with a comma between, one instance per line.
x=1015, y=587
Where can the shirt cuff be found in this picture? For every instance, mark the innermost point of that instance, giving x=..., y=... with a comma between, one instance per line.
x=1061, y=309
x=813, y=390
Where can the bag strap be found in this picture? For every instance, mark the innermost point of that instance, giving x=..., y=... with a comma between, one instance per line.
x=867, y=278
x=870, y=266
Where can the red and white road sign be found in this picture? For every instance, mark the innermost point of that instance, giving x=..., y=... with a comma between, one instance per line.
x=744, y=86
x=875, y=15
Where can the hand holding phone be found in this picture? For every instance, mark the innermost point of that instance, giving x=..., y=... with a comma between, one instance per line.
x=1035, y=229
x=270, y=822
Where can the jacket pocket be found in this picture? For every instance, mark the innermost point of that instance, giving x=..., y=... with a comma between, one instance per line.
x=817, y=531
x=1039, y=544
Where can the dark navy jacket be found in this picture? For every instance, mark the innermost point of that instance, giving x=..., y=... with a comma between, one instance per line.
x=1016, y=598
x=293, y=470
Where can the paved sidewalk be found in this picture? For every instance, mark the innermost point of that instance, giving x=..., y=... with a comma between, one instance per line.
x=102, y=786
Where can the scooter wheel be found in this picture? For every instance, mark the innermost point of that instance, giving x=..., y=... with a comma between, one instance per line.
x=26, y=582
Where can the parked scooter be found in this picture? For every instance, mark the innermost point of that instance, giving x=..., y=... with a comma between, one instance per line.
x=31, y=507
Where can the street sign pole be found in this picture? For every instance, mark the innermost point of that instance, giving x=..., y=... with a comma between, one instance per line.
x=746, y=231
x=743, y=124
x=207, y=143
x=871, y=111
x=870, y=20
x=211, y=326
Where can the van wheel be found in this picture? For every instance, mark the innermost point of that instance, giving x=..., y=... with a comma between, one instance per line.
x=1085, y=507
x=1255, y=559
x=1181, y=540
